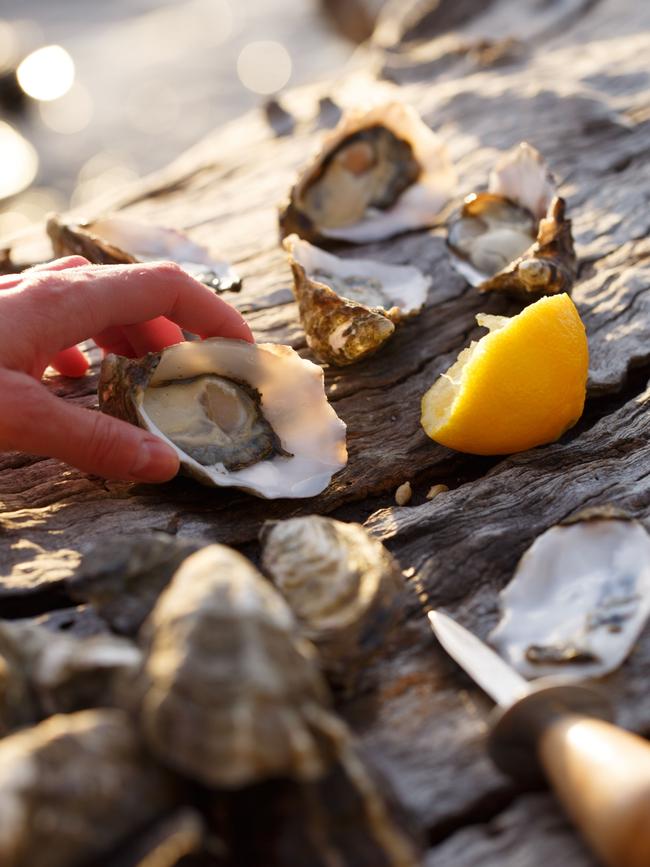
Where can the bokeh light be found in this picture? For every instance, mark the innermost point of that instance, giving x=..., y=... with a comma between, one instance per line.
x=264, y=66
x=18, y=161
x=101, y=174
x=8, y=44
x=47, y=73
x=70, y=113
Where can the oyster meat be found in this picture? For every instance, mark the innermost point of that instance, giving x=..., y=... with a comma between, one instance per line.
x=578, y=600
x=515, y=237
x=74, y=787
x=229, y=695
x=343, y=586
x=252, y=416
x=121, y=239
x=380, y=172
x=349, y=307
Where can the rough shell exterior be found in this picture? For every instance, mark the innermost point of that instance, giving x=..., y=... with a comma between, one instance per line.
x=229, y=694
x=167, y=844
x=81, y=777
x=343, y=586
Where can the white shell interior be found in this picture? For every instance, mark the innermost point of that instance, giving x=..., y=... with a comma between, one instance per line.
x=406, y=287
x=585, y=585
x=150, y=243
x=421, y=203
x=293, y=402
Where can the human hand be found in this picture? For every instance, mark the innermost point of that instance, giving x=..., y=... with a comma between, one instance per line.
x=47, y=310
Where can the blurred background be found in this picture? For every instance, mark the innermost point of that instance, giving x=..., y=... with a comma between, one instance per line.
x=94, y=95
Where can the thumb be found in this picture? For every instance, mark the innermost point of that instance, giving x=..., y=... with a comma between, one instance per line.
x=35, y=421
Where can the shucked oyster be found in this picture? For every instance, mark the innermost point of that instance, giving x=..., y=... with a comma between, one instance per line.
x=343, y=586
x=349, y=307
x=380, y=172
x=252, y=416
x=515, y=238
x=120, y=239
x=579, y=598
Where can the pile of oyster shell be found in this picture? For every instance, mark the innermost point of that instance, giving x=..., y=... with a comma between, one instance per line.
x=208, y=712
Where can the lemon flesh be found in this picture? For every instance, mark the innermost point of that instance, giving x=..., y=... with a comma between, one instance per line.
x=520, y=386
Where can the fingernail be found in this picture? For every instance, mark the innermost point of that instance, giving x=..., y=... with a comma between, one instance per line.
x=155, y=461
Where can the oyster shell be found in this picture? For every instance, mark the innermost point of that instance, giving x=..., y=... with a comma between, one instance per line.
x=578, y=600
x=349, y=307
x=123, y=576
x=515, y=237
x=229, y=695
x=75, y=786
x=120, y=239
x=252, y=416
x=380, y=172
x=342, y=585
x=42, y=673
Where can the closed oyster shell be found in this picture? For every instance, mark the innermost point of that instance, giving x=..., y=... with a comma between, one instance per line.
x=73, y=787
x=229, y=694
x=42, y=673
x=380, y=172
x=578, y=600
x=349, y=307
x=119, y=239
x=307, y=441
x=343, y=586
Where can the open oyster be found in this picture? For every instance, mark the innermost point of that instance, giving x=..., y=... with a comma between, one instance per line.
x=121, y=239
x=73, y=787
x=515, y=237
x=349, y=307
x=380, y=172
x=578, y=600
x=229, y=695
x=343, y=586
x=252, y=416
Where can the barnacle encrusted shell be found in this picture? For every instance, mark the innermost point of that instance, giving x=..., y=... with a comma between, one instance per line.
x=380, y=172
x=343, y=586
x=349, y=307
x=579, y=598
x=230, y=695
x=259, y=408
x=123, y=576
x=73, y=787
x=515, y=238
x=43, y=673
x=121, y=239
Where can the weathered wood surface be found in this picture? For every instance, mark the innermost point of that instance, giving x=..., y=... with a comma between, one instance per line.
x=572, y=78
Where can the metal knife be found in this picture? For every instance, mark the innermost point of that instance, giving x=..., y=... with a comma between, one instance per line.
x=600, y=773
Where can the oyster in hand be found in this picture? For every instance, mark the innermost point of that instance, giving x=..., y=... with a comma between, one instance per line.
x=251, y=416
x=380, y=172
x=119, y=239
x=349, y=307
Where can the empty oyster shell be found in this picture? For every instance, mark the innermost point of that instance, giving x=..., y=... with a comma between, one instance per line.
x=343, y=586
x=229, y=694
x=515, y=238
x=123, y=576
x=42, y=673
x=578, y=600
x=380, y=172
x=349, y=307
x=121, y=239
x=75, y=786
x=251, y=416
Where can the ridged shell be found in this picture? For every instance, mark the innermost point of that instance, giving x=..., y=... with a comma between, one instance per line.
x=229, y=694
x=293, y=402
x=416, y=206
x=74, y=787
x=343, y=586
x=342, y=329
x=578, y=600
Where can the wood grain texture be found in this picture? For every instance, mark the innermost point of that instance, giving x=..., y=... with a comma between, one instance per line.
x=573, y=80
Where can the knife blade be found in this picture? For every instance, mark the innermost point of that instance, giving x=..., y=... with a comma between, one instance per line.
x=600, y=773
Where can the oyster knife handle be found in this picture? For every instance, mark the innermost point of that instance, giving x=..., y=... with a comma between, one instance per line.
x=601, y=774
